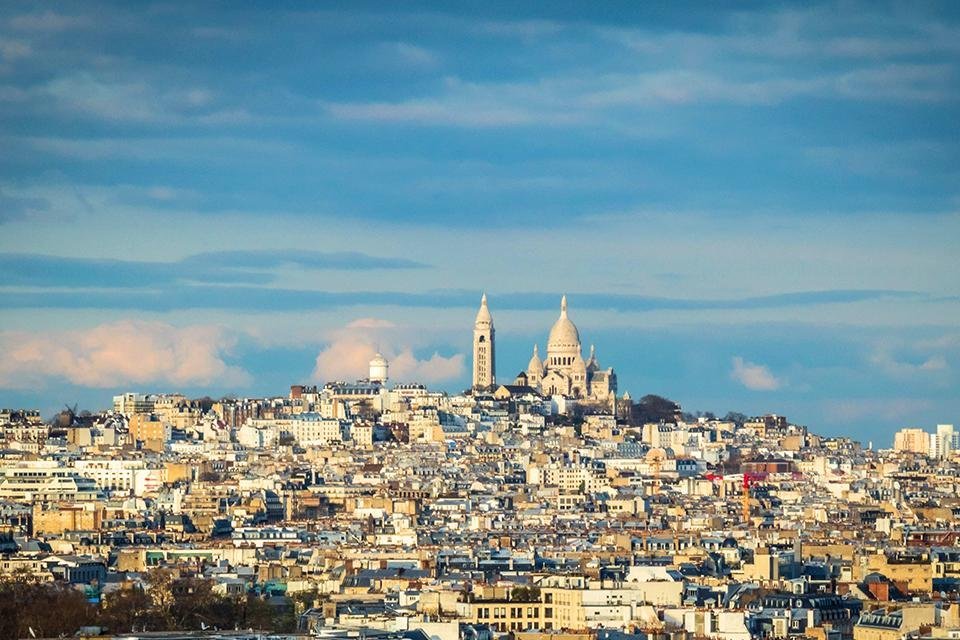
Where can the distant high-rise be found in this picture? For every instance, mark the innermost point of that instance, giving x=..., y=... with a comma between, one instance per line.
x=941, y=442
x=911, y=440
x=484, y=363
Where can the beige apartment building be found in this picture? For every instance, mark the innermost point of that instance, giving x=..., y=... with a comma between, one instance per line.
x=912, y=440
x=577, y=602
x=909, y=573
x=896, y=624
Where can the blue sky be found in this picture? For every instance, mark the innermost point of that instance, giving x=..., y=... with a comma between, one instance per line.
x=751, y=208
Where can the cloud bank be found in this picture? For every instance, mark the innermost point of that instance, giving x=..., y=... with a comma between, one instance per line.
x=350, y=350
x=234, y=267
x=127, y=352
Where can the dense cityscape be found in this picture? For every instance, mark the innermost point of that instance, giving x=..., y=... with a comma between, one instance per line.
x=480, y=320
x=546, y=507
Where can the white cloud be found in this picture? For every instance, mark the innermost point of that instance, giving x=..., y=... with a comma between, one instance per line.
x=405, y=366
x=438, y=111
x=885, y=360
x=121, y=353
x=370, y=323
x=473, y=104
x=409, y=54
x=138, y=100
x=347, y=355
x=756, y=377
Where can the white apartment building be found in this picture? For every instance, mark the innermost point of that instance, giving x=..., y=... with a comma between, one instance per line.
x=45, y=481
x=942, y=442
x=131, y=403
x=310, y=429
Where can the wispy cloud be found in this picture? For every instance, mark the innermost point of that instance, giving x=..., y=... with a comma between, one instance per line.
x=408, y=54
x=886, y=409
x=468, y=104
x=49, y=21
x=885, y=360
x=247, y=267
x=139, y=101
x=205, y=296
x=578, y=100
x=20, y=207
x=756, y=377
x=203, y=147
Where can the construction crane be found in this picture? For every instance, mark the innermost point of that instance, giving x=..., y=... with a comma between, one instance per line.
x=749, y=479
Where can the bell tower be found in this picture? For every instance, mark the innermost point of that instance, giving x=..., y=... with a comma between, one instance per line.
x=484, y=364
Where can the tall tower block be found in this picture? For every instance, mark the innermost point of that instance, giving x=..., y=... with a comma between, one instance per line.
x=484, y=363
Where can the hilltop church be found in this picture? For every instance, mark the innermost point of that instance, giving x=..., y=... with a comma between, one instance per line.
x=563, y=372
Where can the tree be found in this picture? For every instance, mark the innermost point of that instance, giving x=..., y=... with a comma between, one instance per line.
x=160, y=590
x=735, y=416
x=193, y=600
x=127, y=608
x=26, y=603
x=525, y=594
x=653, y=408
x=257, y=614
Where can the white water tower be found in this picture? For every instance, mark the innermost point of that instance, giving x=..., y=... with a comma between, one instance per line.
x=378, y=369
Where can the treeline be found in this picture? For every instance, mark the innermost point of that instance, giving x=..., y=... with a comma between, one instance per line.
x=169, y=603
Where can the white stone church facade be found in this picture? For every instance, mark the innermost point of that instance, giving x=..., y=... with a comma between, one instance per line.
x=563, y=372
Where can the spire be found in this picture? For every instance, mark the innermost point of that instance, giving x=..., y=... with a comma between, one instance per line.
x=536, y=350
x=483, y=315
x=563, y=305
x=593, y=352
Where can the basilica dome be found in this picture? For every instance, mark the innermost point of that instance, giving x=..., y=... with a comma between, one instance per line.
x=563, y=335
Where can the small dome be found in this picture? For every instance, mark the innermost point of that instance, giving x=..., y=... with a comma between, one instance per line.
x=378, y=360
x=563, y=334
x=535, y=364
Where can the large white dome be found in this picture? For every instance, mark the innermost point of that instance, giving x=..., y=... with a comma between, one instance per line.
x=563, y=335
